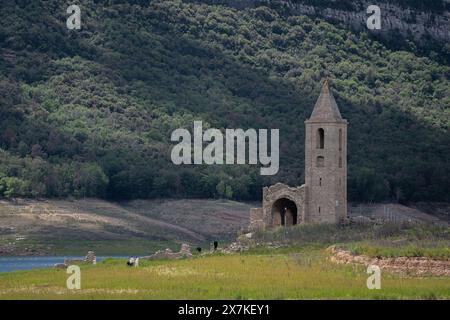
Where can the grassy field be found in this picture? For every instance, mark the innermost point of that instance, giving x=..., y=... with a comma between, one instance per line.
x=438, y=251
x=282, y=263
x=288, y=273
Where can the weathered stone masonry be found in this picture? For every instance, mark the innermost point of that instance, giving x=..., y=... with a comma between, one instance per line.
x=323, y=197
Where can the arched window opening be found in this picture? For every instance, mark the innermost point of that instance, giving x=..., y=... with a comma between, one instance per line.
x=320, y=182
x=340, y=139
x=320, y=138
x=320, y=162
x=340, y=162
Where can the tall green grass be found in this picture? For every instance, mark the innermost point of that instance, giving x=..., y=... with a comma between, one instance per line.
x=409, y=250
x=327, y=234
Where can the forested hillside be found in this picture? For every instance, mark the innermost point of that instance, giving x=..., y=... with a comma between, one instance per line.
x=89, y=113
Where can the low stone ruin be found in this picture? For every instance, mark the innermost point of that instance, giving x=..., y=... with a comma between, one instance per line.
x=410, y=266
x=185, y=252
x=234, y=248
x=89, y=259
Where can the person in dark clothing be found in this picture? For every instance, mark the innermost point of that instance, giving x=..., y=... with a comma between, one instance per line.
x=216, y=244
x=283, y=216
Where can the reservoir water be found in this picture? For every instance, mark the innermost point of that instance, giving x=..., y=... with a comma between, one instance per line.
x=8, y=264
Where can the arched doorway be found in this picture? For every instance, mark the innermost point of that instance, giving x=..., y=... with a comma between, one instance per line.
x=284, y=212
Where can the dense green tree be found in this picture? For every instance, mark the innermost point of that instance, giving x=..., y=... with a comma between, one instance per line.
x=90, y=113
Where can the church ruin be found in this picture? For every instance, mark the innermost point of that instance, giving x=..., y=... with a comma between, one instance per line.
x=323, y=197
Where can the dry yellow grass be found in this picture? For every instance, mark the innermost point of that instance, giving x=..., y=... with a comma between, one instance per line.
x=303, y=275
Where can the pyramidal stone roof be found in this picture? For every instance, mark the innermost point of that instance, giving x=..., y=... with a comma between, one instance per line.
x=326, y=107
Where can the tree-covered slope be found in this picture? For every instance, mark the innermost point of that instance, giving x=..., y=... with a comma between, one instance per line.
x=90, y=112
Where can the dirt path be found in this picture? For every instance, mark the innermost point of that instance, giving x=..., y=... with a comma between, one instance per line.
x=141, y=220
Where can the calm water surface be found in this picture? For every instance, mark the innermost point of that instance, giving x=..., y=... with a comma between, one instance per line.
x=8, y=264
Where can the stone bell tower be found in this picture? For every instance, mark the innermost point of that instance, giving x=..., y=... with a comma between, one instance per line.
x=323, y=197
x=326, y=161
